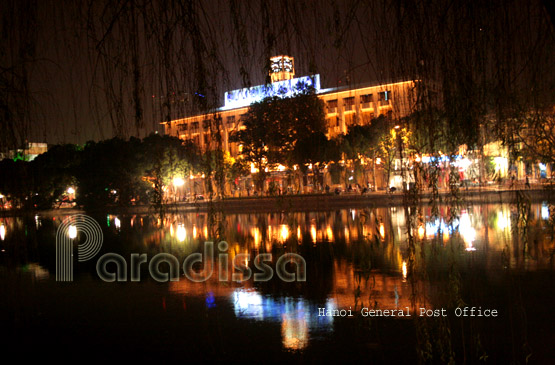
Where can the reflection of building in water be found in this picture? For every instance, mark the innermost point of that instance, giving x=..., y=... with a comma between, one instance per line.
x=297, y=316
x=377, y=290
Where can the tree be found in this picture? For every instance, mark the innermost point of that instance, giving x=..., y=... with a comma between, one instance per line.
x=164, y=158
x=274, y=127
x=363, y=141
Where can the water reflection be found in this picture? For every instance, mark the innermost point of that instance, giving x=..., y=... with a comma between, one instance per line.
x=355, y=258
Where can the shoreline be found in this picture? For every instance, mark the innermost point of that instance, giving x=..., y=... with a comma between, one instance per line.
x=314, y=202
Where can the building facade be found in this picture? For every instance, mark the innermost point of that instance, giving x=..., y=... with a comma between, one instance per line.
x=344, y=106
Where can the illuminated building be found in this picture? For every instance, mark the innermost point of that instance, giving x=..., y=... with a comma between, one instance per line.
x=345, y=106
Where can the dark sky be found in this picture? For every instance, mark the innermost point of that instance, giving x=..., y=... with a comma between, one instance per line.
x=89, y=70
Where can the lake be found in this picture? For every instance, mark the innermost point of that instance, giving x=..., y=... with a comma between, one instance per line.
x=465, y=283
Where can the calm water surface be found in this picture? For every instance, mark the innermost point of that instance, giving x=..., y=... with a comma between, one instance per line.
x=496, y=257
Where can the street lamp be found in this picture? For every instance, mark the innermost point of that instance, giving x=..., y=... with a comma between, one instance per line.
x=178, y=181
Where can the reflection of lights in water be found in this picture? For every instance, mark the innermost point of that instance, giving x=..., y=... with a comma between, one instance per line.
x=545, y=211
x=37, y=222
x=294, y=332
x=353, y=213
x=72, y=232
x=284, y=232
x=38, y=271
x=313, y=232
x=195, y=232
x=329, y=233
x=299, y=236
x=382, y=230
x=248, y=304
x=181, y=233
x=117, y=222
x=421, y=232
x=210, y=300
x=404, y=268
x=294, y=318
x=255, y=232
x=347, y=235
x=171, y=230
x=503, y=220
x=206, y=231
x=2, y=232
x=433, y=228
x=467, y=232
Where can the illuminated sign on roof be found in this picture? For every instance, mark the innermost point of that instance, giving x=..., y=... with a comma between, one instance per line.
x=245, y=97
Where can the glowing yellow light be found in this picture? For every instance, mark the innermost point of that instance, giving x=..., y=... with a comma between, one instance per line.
x=255, y=232
x=284, y=232
x=281, y=168
x=382, y=230
x=467, y=232
x=178, y=181
x=70, y=190
x=72, y=232
x=421, y=232
x=117, y=222
x=299, y=236
x=294, y=332
x=313, y=232
x=2, y=232
x=181, y=233
x=503, y=220
x=205, y=231
x=404, y=268
x=329, y=233
x=194, y=232
x=378, y=161
x=254, y=170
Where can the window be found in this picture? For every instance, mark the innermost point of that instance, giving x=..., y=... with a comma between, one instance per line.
x=366, y=98
x=182, y=127
x=206, y=124
x=230, y=121
x=349, y=101
x=194, y=126
x=332, y=103
x=384, y=95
